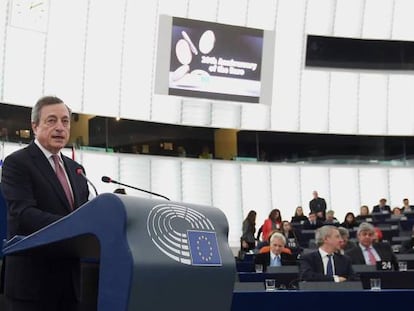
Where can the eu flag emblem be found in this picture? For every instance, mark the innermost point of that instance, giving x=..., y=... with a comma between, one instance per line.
x=203, y=248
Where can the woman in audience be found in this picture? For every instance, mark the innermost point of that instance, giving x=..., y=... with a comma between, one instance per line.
x=396, y=211
x=290, y=235
x=378, y=235
x=273, y=222
x=363, y=213
x=299, y=216
x=349, y=221
x=247, y=239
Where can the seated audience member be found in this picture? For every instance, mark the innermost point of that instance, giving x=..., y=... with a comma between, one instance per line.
x=407, y=247
x=264, y=246
x=313, y=222
x=407, y=208
x=276, y=256
x=382, y=207
x=290, y=236
x=330, y=219
x=299, y=216
x=363, y=214
x=368, y=251
x=396, y=211
x=326, y=263
x=349, y=221
x=345, y=244
x=377, y=235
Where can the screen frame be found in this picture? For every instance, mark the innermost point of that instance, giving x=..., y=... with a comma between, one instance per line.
x=164, y=60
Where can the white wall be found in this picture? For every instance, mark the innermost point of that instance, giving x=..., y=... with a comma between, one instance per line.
x=100, y=57
x=238, y=187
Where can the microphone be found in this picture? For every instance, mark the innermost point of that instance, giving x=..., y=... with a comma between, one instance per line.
x=79, y=171
x=110, y=180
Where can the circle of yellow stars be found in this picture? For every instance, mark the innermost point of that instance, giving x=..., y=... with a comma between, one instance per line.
x=210, y=253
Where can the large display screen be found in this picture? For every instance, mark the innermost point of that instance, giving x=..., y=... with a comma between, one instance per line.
x=213, y=60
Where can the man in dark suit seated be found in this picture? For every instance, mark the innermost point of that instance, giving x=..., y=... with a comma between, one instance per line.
x=407, y=247
x=407, y=207
x=313, y=222
x=326, y=263
x=346, y=244
x=382, y=207
x=369, y=252
x=275, y=257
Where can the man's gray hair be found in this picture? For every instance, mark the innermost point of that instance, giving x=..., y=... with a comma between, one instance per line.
x=322, y=233
x=277, y=235
x=45, y=101
x=343, y=232
x=365, y=226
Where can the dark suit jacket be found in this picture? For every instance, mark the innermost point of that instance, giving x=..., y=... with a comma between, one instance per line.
x=35, y=198
x=311, y=267
x=318, y=205
x=264, y=259
x=378, y=209
x=384, y=250
x=307, y=225
x=407, y=247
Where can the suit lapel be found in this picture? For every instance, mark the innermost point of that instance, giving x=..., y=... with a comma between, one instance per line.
x=337, y=264
x=44, y=167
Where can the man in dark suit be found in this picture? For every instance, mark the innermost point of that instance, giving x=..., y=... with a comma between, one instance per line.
x=370, y=253
x=36, y=197
x=407, y=247
x=275, y=257
x=326, y=264
x=313, y=222
x=382, y=207
x=407, y=207
x=318, y=206
x=346, y=244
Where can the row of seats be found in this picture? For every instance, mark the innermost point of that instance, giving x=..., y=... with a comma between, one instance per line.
x=394, y=230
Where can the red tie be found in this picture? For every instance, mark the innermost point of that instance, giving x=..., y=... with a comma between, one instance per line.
x=62, y=178
x=372, y=259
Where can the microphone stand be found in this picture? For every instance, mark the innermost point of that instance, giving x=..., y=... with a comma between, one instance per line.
x=139, y=189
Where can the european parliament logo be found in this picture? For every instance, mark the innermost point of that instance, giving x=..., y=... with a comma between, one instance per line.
x=203, y=248
x=184, y=234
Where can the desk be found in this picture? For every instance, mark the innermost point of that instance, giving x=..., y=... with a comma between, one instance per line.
x=287, y=279
x=315, y=300
x=245, y=266
x=389, y=279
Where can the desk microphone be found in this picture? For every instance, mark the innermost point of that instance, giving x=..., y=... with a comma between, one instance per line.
x=110, y=180
x=79, y=171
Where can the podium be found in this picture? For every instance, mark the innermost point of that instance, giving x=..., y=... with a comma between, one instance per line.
x=152, y=254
